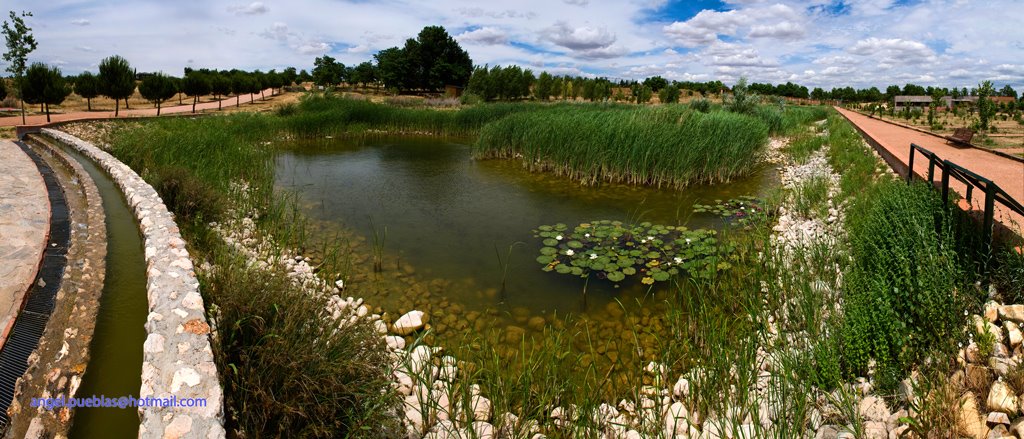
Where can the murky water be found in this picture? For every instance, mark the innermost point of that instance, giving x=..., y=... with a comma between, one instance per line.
x=115, y=365
x=448, y=216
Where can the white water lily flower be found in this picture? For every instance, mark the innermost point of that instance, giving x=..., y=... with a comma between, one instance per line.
x=569, y=252
x=678, y=260
x=586, y=235
x=687, y=240
x=643, y=241
x=650, y=238
x=593, y=256
x=559, y=237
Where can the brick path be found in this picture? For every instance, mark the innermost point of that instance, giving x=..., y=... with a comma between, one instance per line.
x=1007, y=173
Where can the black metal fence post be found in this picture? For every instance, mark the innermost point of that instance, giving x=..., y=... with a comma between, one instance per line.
x=945, y=183
x=989, y=222
x=910, y=164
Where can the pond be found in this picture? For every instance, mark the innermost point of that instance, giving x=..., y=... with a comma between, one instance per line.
x=450, y=221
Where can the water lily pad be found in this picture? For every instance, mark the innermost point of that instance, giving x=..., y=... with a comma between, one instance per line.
x=629, y=271
x=616, y=276
x=544, y=259
x=548, y=251
x=574, y=244
x=550, y=242
x=563, y=269
x=660, y=276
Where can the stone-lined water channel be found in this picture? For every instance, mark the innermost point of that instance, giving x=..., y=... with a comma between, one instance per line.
x=448, y=217
x=115, y=365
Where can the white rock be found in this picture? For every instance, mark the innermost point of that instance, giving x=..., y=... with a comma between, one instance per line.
x=419, y=358
x=483, y=430
x=1013, y=333
x=675, y=420
x=395, y=342
x=1014, y=313
x=1001, y=399
x=872, y=408
x=481, y=408
x=681, y=389
x=410, y=322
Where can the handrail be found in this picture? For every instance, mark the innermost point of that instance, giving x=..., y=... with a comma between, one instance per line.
x=992, y=191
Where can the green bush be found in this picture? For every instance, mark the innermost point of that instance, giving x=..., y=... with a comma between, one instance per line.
x=903, y=287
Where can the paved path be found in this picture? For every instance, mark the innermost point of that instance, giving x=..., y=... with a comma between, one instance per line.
x=40, y=119
x=1006, y=173
x=24, y=223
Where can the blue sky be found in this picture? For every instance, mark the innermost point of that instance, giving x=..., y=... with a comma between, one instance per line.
x=812, y=42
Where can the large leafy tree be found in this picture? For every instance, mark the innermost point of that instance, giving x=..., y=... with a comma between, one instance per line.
x=545, y=82
x=20, y=43
x=158, y=88
x=656, y=83
x=986, y=109
x=117, y=80
x=395, y=68
x=437, y=59
x=44, y=85
x=289, y=76
x=239, y=85
x=364, y=73
x=327, y=71
x=88, y=87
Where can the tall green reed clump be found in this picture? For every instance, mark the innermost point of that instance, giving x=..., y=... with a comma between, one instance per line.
x=319, y=115
x=905, y=288
x=191, y=161
x=663, y=146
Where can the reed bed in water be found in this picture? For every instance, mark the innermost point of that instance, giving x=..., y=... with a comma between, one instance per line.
x=318, y=115
x=666, y=146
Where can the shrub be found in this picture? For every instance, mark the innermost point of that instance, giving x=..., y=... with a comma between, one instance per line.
x=188, y=197
x=700, y=104
x=903, y=298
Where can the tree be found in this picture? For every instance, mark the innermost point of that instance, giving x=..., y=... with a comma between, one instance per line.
x=1008, y=91
x=986, y=109
x=117, y=80
x=914, y=90
x=327, y=72
x=274, y=80
x=195, y=85
x=394, y=68
x=44, y=85
x=239, y=85
x=304, y=76
x=641, y=92
x=220, y=86
x=364, y=73
x=288, y=75
x=543, y=89
x=437, y=60
x=669, y=95
x=88, y=87
x=656, y=83
x=819, y=94
x=3, y=89
x=20, y=43
x=158, y=88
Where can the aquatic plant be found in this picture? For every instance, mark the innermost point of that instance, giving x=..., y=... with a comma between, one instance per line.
x=738, y=210
x=613, y=250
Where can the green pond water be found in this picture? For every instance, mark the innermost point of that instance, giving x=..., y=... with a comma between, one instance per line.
x=445, y=215
x=115, y=365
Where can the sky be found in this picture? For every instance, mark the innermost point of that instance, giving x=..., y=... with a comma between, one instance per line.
x=817, y=43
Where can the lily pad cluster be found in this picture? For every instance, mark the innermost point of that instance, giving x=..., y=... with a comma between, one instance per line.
x=738, y=210
x=612, y=250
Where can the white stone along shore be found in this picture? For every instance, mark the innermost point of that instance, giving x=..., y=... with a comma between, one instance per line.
x=177, y=357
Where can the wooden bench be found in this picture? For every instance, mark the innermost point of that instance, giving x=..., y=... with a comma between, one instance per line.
x=961, y=137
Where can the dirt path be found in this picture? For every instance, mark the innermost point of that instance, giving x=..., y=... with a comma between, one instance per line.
x=40, y=119
x=1006, y=173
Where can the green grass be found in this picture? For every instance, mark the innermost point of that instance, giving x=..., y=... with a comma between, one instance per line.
x=666, y=146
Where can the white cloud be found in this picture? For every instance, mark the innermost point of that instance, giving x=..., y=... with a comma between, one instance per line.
x=254, y=8
x=278, y=31
x=707, y=25
x=577, y=2
x=313, y=48
x=484, y=35
x=584, y=38
x=81, y=22
x=894, y=47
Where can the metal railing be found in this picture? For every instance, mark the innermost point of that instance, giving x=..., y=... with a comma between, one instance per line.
x=992, y=191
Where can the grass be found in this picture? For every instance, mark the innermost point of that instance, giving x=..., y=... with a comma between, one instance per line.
x=666, y=146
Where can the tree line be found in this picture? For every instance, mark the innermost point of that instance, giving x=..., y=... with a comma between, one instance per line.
x=429, y=62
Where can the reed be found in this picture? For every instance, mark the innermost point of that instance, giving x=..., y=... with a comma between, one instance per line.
x=666, y=146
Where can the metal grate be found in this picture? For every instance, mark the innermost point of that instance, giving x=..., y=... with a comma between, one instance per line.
x=31, y=321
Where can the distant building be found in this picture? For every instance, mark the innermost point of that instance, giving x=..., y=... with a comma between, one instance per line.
x=1002, y=99
x=902, y=102
x=951, y=102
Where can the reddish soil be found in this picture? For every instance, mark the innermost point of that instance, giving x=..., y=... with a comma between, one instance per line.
x=40, y=119
x=1007, y=173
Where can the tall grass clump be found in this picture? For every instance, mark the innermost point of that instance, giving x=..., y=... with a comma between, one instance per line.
x=669, y=146
x=905, y=292
x=287, y=370
x=191, y=161
x=319, y=115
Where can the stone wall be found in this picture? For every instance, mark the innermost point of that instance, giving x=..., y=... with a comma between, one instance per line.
x=177, y=357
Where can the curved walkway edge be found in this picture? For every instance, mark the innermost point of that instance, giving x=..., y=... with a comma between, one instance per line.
x=177, y=356
x=893, y=143
x=24, y=225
